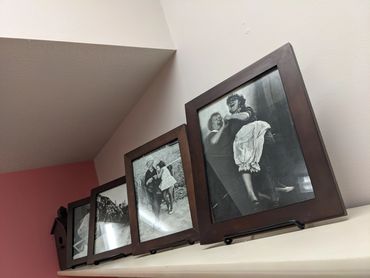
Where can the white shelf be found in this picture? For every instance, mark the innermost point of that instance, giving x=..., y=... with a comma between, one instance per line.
x=339, y=249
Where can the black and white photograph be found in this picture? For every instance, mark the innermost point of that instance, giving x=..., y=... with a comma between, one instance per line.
x=252, y=155
x=161, y=193
x=81, y=217
x=110, y=232
x=112, y=226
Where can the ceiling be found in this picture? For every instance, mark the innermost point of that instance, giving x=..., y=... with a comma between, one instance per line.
x=60, y=102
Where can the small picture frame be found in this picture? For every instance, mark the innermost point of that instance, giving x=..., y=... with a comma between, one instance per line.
x=109, y=233
x=161, y=193
x=257, y=153
x=78, y=232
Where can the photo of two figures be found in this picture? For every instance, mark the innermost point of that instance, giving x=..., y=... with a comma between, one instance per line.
x=161, y=193
x=252, y=154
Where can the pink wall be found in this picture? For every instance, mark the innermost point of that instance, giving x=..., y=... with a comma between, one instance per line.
x=29, y=201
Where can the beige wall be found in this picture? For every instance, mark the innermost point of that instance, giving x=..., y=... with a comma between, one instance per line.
x=216, y=39
x=115, y=22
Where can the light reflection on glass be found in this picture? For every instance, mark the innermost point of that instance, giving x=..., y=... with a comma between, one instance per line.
x=111, y=236
x=305, y=184
x=150, y=219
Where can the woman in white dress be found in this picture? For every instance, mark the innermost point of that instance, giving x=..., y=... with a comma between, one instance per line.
x=167, y=184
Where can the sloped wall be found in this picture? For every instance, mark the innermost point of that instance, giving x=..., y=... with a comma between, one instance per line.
x=138, y=23
x=215, y=39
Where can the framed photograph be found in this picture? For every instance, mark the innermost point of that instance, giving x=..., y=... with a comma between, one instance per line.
x=78, y=232
x=257, y=153
x=109, y=233
x=161, y=193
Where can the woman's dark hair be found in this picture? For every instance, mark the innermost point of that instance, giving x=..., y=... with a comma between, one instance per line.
x=238, y=97
x=161, y=164
x=210, y=120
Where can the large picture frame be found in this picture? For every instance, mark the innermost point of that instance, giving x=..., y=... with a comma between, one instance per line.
x=161, y=193
x=109, y=231
x=78, y=232
x=257, y=154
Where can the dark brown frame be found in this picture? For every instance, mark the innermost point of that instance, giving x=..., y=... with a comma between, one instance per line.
x=190, y=235
x=70, y=227
x=327, y=203
x=121, y=251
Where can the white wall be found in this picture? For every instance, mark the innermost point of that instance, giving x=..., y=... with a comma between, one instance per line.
x=216, y=39
x=138, y=23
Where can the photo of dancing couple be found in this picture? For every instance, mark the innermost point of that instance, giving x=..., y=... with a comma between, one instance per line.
x=161, y=193
x=253, y=159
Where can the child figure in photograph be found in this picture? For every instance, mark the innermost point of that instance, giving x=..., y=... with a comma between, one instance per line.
x=167, y=184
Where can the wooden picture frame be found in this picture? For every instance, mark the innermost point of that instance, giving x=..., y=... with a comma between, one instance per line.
x=109, y=226
x=77, y=232
x=154, y=227
x=236, y=193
